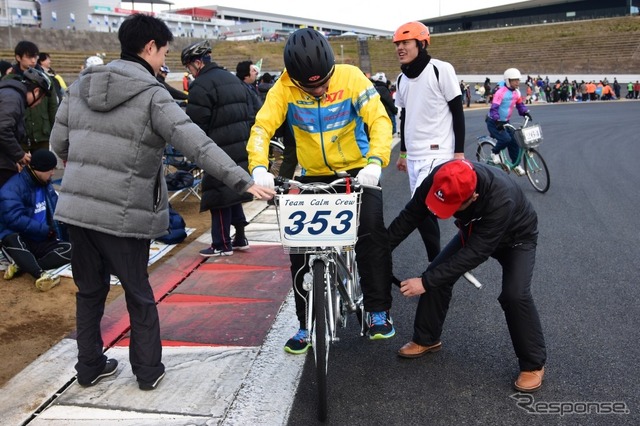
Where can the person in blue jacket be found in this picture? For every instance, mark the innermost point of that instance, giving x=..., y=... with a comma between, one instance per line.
x=31, y=239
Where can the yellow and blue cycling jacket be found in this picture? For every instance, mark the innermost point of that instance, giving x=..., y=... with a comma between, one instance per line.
x=330, y=132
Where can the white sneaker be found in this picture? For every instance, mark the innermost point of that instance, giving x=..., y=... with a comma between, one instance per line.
x=518, y=170
x=495, y=158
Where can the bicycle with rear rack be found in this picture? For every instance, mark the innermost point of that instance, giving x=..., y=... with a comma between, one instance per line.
x=528, y=137
x=320, y=220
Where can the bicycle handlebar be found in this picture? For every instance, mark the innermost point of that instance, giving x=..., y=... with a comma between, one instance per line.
x=282, y=184
x=512, y=127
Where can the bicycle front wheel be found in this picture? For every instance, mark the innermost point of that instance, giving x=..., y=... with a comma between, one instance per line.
x=321, y=333
x=483, y=154
x=537, y=171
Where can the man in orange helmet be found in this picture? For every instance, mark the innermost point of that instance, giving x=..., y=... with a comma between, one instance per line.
x=432, y=118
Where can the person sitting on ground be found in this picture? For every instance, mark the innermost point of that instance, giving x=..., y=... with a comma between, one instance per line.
x=31, y=239
x=504, y=100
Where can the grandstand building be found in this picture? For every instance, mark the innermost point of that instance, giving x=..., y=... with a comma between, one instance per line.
x=532, y=12
x=201, y=22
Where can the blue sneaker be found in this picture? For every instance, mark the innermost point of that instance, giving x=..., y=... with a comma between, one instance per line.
x=380, y=325
x=298, y=344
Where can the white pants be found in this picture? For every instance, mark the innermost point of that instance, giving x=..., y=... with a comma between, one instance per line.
x=418, y=170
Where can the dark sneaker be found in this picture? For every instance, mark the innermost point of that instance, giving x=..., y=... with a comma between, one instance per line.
x=240, y=244
x=213, y=252
x=380, y=325
x=298, y=344
x=151, y=386
x=109, y=368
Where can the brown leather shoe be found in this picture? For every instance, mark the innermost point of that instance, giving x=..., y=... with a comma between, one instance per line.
x=529, y=381
x=414, y=350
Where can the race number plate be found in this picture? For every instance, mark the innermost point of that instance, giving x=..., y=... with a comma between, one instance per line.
x=318, y=220
x=531, y=134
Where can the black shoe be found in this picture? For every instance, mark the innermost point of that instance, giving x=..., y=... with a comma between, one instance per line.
x=110, y=367
x=150, y=386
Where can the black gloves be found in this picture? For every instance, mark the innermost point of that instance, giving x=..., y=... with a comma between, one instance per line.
x=528, y=116
x=500, y=125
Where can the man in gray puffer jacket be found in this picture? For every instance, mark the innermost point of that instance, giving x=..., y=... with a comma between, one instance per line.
x=111, y=130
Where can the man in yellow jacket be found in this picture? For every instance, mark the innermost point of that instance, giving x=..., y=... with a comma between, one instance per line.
x=340, y=125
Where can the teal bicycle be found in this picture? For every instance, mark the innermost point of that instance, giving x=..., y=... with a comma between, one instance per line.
x=528, y=137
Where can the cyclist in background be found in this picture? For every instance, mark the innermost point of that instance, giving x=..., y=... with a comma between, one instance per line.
x=504, y=100
x=326, y=107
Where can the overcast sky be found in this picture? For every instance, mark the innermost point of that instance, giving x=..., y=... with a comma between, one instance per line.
x=384, y=15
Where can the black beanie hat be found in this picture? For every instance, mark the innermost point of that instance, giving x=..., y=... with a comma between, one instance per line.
x=43, y=160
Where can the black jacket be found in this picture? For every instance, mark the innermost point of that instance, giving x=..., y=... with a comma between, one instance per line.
x=13, y=103
x=218, y=103
x=386, y=98
x=175, y=93
x=500, y=218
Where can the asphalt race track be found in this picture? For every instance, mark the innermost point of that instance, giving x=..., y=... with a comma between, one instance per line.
x=585, y=287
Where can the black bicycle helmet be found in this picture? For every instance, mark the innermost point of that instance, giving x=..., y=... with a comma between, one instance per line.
x=37, y=78
x=308, y=58
x=195, y=51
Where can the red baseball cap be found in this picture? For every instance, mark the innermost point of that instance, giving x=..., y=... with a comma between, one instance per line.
x=453, y=184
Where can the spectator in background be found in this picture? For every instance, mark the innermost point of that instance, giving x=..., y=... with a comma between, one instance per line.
x=636, y=90
x=248, y=73
x=616, y=88
x=381, y=84
x=39, y=119
x=44, y=60
x=92, y=61
x=162, y=78
x=31, y=239
x=219, y=104
x=16, y=95
x=266, y=83
x=629, y=90
x=4, y=67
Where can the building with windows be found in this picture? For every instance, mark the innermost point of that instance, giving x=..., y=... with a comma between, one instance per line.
x=202, y=22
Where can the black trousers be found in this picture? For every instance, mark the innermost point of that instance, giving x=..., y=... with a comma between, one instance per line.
x=515, y=299
x=35, y=257
x=96, y=255
x=372, y=256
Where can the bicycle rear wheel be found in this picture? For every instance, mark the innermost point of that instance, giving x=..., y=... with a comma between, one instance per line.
x=321, y=334
x=483, y=153
x=537, y=170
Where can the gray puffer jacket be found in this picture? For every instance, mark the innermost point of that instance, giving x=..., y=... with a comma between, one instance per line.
x=111, y=130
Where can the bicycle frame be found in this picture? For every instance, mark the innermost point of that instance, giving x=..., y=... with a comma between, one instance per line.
x=328, y=238
x=528, y=138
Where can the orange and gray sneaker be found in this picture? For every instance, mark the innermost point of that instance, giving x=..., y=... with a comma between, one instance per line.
x=529, y=381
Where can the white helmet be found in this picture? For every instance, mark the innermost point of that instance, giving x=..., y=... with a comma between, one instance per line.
x=380, y=77
x=93, y=60
x=512, y=74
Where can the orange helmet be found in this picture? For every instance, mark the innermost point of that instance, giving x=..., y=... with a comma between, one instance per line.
x=412, y=31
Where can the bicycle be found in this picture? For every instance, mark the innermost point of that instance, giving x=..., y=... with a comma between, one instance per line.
x=322, y=223
x=276, y=155
x=528, y=138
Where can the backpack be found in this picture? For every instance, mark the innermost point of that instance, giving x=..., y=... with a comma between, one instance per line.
x=177, y=229
x=180, y=179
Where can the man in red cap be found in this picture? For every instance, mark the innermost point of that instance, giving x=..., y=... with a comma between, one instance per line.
x=496, y=220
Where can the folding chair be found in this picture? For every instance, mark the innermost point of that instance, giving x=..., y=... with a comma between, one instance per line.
x=175, y=161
